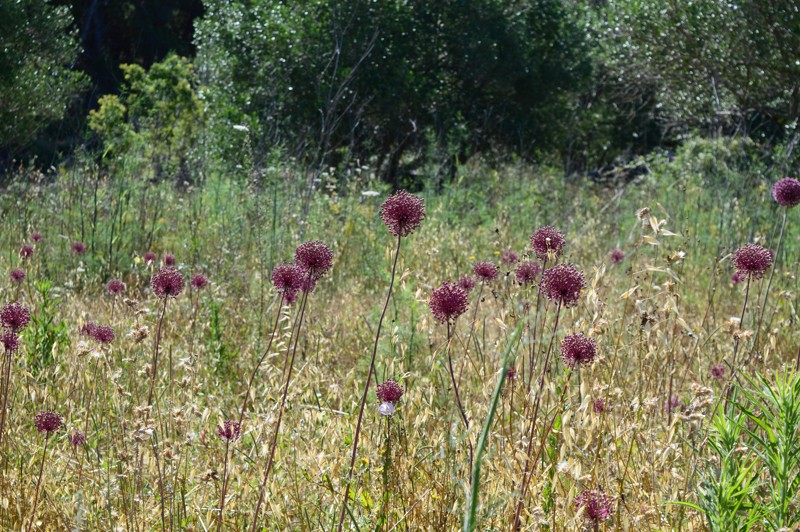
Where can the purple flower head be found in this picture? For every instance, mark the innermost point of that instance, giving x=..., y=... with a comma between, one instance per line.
x=77, y=438
x=288, y=278
x=547, y=240
x=36, y=236
x=150, y=257
x=511, y=373
x=563, y=283
x=103, y=334
x=315, y=257
x=527, y=272
x=78, y=248
x=485, y=271
x=738, y=277
x=402, y=213
x=508, y=257
x=752, y=260
x=577, y=349
x=167, y=282
x=115, y=286
x=169, y=260
x=87, y=329
x=389, y=392
x=10, y=341
x=599, y=405
x=290, y=297
x=718, y=371
x=597, y=507
x=48, y=421
x=15, y=317
x=229, y=430
x=672, y=403
x=199, y=281
x=17, y=275
x=466, y=283
x=26, y=251
x=448, y=302
x=616, y=256
x=787, y=192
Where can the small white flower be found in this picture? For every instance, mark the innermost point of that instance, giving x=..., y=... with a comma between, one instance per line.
x=239, y=127
x=386, y=409
x=370, y=193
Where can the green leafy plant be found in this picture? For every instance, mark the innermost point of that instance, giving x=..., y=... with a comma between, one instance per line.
x=47, y=332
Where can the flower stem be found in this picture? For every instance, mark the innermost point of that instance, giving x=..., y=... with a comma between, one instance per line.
x=6, y=391
x=155, y=354
x=39, y=481
x=224, y=487
x=458, y=396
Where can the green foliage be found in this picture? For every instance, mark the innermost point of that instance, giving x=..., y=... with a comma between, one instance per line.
x=37, y=81
x=46, y=334
x=159, y=115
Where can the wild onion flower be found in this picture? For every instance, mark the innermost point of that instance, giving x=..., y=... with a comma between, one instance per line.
x=389, y=392
x=402, y=213
x=167, y=282
x=718, y=371
x=577, y=349
x=115, y=286
x=511, y=373
x=26, y=251
x=466, y=283
x=485, y=271
x=599, y=405
x=17, y=275
x=448, y=302
x=169, y=260
x=10, y=341
x=87, y=329
x=199, y=281
x=15, y=317
x=150, y=257
x=527, y=272
x=36, y=236
x=752, y=260
x=547, y=240
x=314, y=257
x=288, y=278
x=78, y=248
x=596, y=506
x=77, y=438
x=508, y=257
x=563, y=283
x=103, y=334
x=616, y=256
x=738, y=277
x=787, y=192
x=48, y=421
x=229, y=430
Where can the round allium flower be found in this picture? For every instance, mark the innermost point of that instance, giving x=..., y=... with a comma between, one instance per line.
x=26, y=251
x=546, y=240
x=466, y=283
x=48, y=421
x=508, y=257
x=402, y=213
x=115, y=286
x=10, y=341
x=288, y=278
x=36, y=236
x=616, y=256
x=787, y=192
x=87, y=329
x=315, y=257
x=150, y=257
x=448, y=302
x=672, y=403
x=386, y=409
x=78, y=247
x=17, y=275
x=229, y=430
x=577, y=349
x=290, y=297
x=389, y=392
x=752, y=260
x=15, y=317
x=103, y=334
x=169, y=260
x=599, y=405
x=596, y=505
x=527, y=272
x=738, y=277
x=199, y=281
x=563, y=283
x=718, y=371
x=167, y=282
x=77, y=438
x=485, y=271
